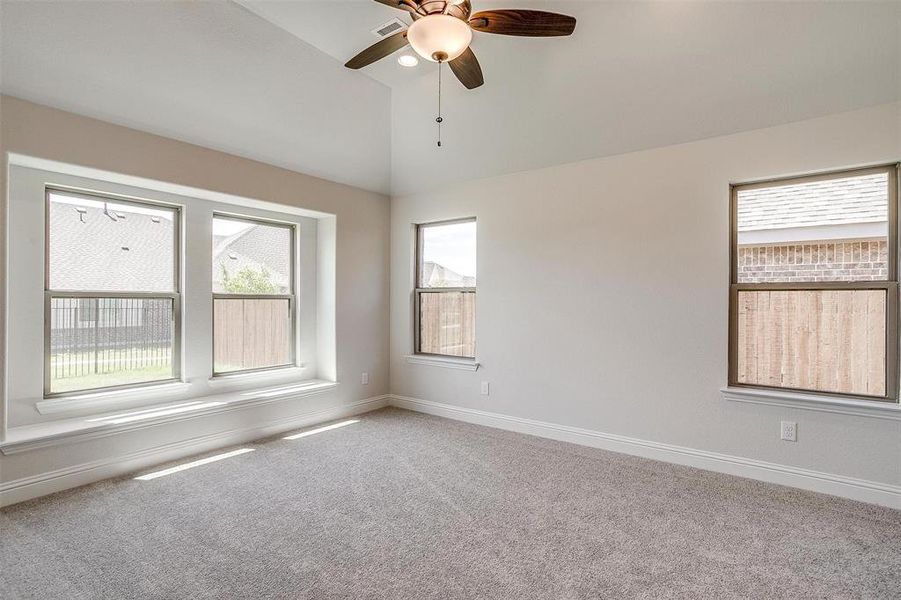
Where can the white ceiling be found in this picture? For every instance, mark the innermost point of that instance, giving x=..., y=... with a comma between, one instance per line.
x=341, y=29
x=642, y=75
x=634, y=75
x=210, y=73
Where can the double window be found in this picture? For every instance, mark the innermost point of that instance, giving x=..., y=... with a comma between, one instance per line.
x=445, y=294
x=113, y=293
x=112, y=298
x=814, y=284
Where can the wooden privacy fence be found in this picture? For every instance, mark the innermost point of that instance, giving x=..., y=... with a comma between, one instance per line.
x=251, y=333
x=827, y=340
x=447, y=323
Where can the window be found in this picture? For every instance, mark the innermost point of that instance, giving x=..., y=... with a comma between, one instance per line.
x=446, y=288
x=111, y=293
x=814, y=292
x=253, y=294
x=128, y=294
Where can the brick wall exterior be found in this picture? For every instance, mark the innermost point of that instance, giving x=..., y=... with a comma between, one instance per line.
x=816, y=261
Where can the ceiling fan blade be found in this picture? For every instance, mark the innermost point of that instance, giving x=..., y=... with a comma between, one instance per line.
x=466, y=68
x=409, y=6
x=533, y=23
x=398, y=4
x=378, y=50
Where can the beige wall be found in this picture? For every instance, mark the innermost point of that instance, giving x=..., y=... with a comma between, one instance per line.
x=603, y=295
x=619, y=268
x=362, y=254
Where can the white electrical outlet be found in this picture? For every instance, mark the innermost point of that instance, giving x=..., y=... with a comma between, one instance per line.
x=484, y=388
x=789, y=431
x=364, y=379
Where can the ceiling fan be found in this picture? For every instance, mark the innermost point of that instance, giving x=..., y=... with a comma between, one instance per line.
x=442, y=31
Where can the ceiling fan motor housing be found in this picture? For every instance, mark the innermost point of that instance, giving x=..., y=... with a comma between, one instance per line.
x=461, y=10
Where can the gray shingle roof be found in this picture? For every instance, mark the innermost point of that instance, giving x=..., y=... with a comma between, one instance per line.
x=88, y=252
x=860, y=199
x=258, y=248
x=91, y=252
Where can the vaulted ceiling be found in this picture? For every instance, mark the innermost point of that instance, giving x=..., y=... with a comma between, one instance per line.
x=209, y=73
x=265, y=79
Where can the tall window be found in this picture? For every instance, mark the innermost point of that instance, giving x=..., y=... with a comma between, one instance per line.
x=253, y=294
x=112, y=293
x=814, y=293
x=446, y=288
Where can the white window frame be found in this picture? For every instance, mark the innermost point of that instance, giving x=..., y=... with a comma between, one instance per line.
x=51, y=294
x=315, y=281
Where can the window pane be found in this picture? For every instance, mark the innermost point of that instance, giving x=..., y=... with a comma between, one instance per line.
x=104, y=342
x=823, y=340
x=98, y=245
x=448, y=255
x=447, y=323
x=251, y=258
x=830, y=230
x=251, y=333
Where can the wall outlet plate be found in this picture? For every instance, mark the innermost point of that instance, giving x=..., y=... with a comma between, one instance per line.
x=789, y=431
x=364, y=379
x=484, y=388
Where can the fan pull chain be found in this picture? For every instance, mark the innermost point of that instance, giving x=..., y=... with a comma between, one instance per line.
x=439, y=119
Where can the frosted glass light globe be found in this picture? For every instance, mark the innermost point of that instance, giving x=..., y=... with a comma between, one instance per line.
x=439, y=37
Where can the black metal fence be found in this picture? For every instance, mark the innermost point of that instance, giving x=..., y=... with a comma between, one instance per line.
x=109, y=335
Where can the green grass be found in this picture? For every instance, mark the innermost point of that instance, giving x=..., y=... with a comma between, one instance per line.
x=118, y=375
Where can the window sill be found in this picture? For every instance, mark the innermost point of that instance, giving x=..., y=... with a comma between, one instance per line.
x=848, y=406
x=108, y=399
x=57, y=433
x=271, y=374
x=463, y=364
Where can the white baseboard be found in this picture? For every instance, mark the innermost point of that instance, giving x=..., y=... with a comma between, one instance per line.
x=827, y=483
x=27, y=488
x=49, y=482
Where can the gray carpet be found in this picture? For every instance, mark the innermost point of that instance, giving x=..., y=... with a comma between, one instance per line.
x=402, y=505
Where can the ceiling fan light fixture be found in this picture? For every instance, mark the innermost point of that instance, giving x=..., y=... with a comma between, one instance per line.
x=439, y=37
x=407, y=60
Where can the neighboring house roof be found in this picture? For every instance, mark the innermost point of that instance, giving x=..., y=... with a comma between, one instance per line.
x=88, y=251
x=259, y=248
x=852, y=200
x=435, y=275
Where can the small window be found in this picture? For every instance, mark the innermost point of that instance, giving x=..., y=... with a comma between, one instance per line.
x=253, y=294
x=112, y=293
x=446, y=288
x=814, y=284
